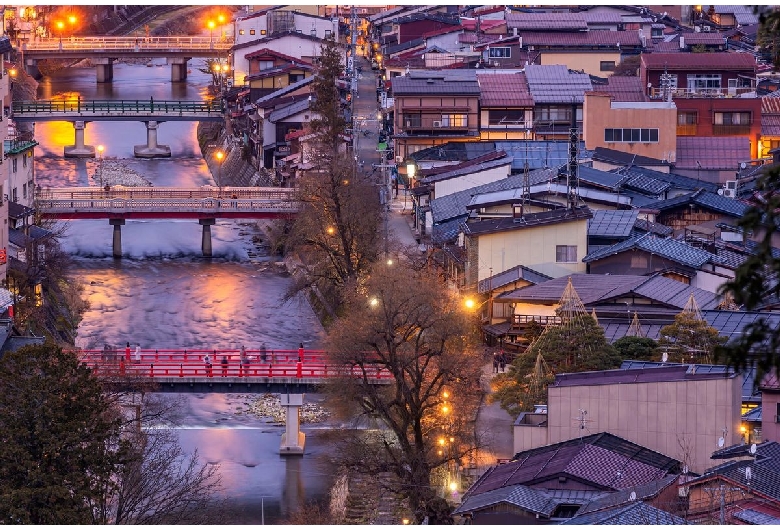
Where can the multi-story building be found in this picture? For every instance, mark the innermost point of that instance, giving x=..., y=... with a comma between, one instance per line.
x=506, y=107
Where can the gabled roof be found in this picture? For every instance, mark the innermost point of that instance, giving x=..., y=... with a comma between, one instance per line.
x=676, y=181
x=286, y=90
x=505, y=90
x=671, y=249
x=268, y=52
x=712, y=38
x=699, y=61
x=622, y=88
x=615, y=156
x=554, y=83
x=603, y=288
x=276, y=36
x=523, y=497
x=468, y=169
x=612, y=223
x=289, y=110
x=546, y=21
x=563, y=215
x=703, y=199
x=636, y=513
x=643, y=225
x=619, y=498
x=585, y=39
x=712, y=152
x=603, y=461
x=441, y=82
x=519, y=272
x=764, y=470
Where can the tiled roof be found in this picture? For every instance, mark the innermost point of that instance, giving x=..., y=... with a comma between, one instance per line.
x=665, y=47
x=286, y=90
x=622, y=88
x=671, y=249
x=519, y=272
x=704, y=199
x=484, y=24
x=643, y=225
x=469, y=170
x=450, y=82
x=539, y=153
x=528, y=499
x=770, y=124
x=637, y=513
x=699, y=61
x=273, y=53
x=612, y=223
x=679, y=182
x=756, y=517
x=616, y=156
x=770, y=104
x=708, y=39
x=441, y=31
x=712, y=152
x=752, y=415
x=641, y=492
x=556, y=84
x=598, y=178
x=743, y=13
x=546, y=21
x=505, y=90
x=563, y=215
x=764, y=470
x=601, y=288
x=603, y=38
x=289, y=110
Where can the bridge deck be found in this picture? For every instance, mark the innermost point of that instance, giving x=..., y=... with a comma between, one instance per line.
x=117, y=110
x=116, y=47
x=166, y=203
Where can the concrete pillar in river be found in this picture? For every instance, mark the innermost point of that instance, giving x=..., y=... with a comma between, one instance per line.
x=104, y=70
x=152, y=149
x=79, y=150
x=293, y=440
x=178, y=69
x=117, y=247
x=205, y=244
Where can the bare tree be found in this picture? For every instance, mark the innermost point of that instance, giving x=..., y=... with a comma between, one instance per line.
x=404, y=325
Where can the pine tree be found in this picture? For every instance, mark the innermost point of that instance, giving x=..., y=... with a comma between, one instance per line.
x=690, y=338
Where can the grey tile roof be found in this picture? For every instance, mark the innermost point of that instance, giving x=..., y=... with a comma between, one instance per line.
x=598, y=178
x=676, y=181
x=642, y=492
x=289, y=110
x=637, y=513
x=539, y=153
x=612, y=223
x=675, y=294
x=712, y=152
x=672, y=249
x=546, y=21
x=556, y=84
x=476, y=168
x=756, y=517
x=563, y=215
x=764, y=470
x=615, y=156
x=643, y=225
x=752, y=415
x=519, y=272
x=528, y=499
x=705, y=199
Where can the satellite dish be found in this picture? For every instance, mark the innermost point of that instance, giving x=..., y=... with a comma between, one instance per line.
x=743, y=165
x=721, y=441
x=632, y=496
x=665, y=357
x=753, y=449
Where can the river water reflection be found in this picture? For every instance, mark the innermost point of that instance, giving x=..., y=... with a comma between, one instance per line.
x=163, y=294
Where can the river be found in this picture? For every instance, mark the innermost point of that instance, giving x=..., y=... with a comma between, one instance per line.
x=163, y=294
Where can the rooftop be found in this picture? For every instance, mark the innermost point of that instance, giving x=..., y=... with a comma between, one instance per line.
x=556, y=84
x=704, y=199
x=563, y=215
x=546, y=21
x=712, y=152
x=612, y=223
x=671, y=249
x=622, y=88
x=584, y=39
x=665, y=374
x=699, y=61
x=505, y=90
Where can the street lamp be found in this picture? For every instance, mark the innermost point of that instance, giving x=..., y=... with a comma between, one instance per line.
x=211, y=26
x=100, y=164
x=220, y=157
x=411, y=171
x=60, y=26
x=72, y=20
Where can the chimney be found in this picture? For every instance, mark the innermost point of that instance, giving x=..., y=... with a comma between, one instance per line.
x=682, y=42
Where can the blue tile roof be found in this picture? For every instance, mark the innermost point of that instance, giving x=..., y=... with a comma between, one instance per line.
x=612, y=223
x=531, y=500
x=705, y=199
x=672, y=249
x=676, y=181
x=637, y=513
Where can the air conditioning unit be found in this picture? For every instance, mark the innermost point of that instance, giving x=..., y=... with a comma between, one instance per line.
x=730, y=193
x=705, y=29
x=436, y=124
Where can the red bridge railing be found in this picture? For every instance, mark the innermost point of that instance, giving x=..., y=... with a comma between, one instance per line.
x=268, y=364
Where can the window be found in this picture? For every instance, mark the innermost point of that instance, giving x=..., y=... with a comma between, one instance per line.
x=556, y=114
x=732, y=118
x=777, y=416
x=14, y=195
x=412, y=120
x=687, y=118
x=506, y=117
x=14, y=162
x=328, y=34
x=566, y=253
x=265, y=65
x=607, y=66
x=241, y=32
x=24, y=191
x=263, y=32
x=656, y=32
x=454, y=120
x=251, y=32
x=631, y=135
x=503, y=52
x=313, y=33
x=24, y=160
x=703, y=81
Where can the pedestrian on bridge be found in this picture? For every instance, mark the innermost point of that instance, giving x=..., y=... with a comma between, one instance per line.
x=127, y=352
x=224, y=366
x=207, y=363
x=137, y=354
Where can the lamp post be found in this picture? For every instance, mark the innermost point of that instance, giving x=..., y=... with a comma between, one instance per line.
x=411, y=171
x=60, y=27
x=220, y=157
x=211, y=26
x=100, y=164
x=72, y=21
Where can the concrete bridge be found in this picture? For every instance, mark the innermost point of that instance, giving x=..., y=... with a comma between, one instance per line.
x=105, y=50
x=150, y=112
x=206, y=204
x=291, y=373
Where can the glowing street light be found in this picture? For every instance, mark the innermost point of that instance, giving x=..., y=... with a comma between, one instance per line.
x=100, y=164
x=211, y=25
x=220, y=157
x=60, y=27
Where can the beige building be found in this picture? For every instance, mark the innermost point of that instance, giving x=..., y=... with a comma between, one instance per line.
x=642, y=128
x=670, y=409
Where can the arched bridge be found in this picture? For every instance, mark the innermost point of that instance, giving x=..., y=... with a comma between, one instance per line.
x=150, y=112
x=104, y=50
x=206, y=204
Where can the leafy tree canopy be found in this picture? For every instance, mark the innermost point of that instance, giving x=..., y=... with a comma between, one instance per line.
x=636, y=348
x=689, y=339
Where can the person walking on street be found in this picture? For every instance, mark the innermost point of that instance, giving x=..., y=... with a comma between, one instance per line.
x=502, y=361
x=207, y=363
x=224, y=366
x=495, y=363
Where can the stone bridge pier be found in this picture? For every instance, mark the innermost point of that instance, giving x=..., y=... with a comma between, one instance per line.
x=79, y=150
x=104, y=70
x=205, y=242
x=293, y=440
x=178, y=69
x=152, y=149
x=117, y=243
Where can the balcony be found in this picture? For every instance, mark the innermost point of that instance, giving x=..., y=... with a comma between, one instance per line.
x=431, y=125
x=730, y=130
x=660, y=93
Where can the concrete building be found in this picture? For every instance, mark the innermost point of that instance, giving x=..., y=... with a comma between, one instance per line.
x=672, y=410
x=770, y=408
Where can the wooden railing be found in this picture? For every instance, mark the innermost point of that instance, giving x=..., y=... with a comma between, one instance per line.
x=108, y=107
x=130, y=44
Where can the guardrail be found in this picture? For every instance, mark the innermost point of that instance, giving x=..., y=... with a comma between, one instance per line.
x=212, y=205
x=204, y=192
x=101, y=44
x=102, y=107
